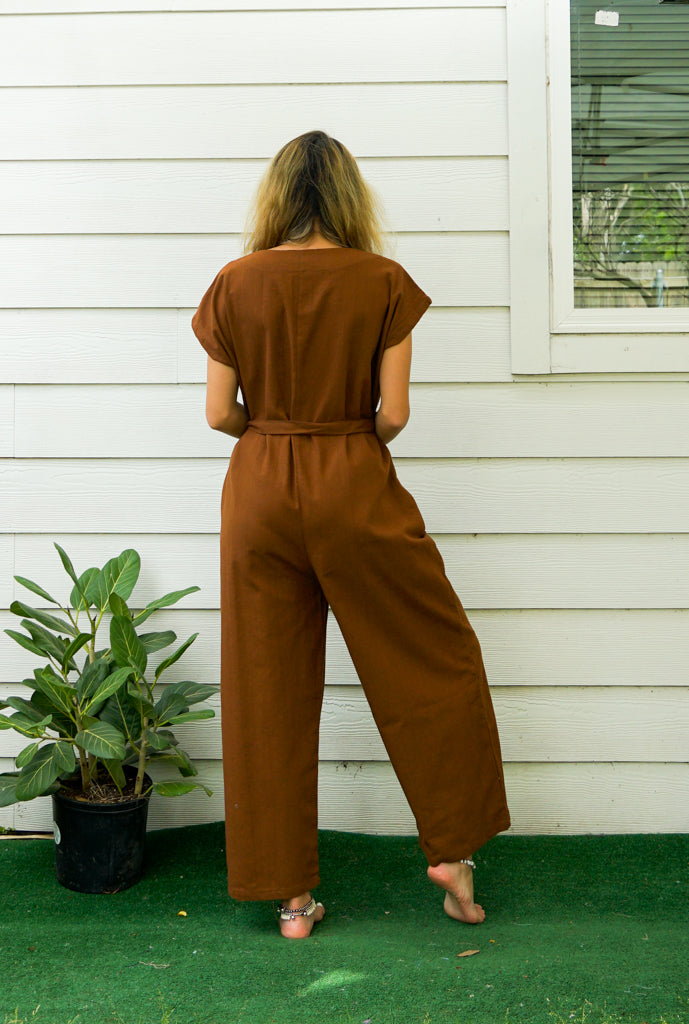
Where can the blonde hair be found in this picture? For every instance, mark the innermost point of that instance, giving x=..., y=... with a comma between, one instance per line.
x=314, y=177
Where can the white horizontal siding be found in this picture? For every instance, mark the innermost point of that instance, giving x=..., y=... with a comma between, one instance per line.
x=99, y=346
x=521, y=647
x=468, y=268
x=556, y=724
x=500, y=570
x=132, y=145
x=98, y=6
x=249, y=121
x=144, y=196
x=531, y=495
x=6, y=418
x=431, y=44
x=359, y=796
x=534, y=420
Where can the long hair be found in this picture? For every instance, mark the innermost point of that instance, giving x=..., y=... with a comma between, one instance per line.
x=314, y=177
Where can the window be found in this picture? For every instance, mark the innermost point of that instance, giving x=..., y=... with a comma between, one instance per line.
x=599, y=185
x=630, y=153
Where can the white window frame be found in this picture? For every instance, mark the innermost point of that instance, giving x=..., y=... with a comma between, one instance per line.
x=548, y=334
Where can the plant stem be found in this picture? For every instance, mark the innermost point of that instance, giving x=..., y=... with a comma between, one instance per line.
x=142, y=761
x=83, y=764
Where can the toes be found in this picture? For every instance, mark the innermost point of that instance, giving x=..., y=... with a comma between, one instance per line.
x=460, y=907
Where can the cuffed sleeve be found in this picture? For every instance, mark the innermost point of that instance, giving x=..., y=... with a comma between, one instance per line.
x=408, y=303
x=210, y=323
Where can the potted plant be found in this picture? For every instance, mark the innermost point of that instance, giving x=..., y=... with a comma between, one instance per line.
x=95, y=728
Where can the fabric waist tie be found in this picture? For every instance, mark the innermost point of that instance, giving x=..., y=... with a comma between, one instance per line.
x=302, y=427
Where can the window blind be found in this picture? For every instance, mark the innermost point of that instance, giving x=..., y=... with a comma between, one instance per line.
x=630, y=152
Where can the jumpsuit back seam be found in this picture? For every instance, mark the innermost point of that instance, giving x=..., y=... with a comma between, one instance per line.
x=301, y=507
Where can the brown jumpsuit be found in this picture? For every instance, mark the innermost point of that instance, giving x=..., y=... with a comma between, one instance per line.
x=312, y=514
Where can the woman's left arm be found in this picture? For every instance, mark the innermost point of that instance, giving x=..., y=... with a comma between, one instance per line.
x=223, y=411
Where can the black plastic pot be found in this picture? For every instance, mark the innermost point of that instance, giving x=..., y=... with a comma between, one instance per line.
x=100, y=847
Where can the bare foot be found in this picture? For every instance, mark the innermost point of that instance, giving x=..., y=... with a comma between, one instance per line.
x=300, y=927
x=458, y=881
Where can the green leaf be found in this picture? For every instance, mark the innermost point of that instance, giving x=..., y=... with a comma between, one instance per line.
x=116, y=772
x=30, y=585
x=60, y=722
x=27, y=726
x=111, y=684
x=6, y=722
x=162, y=602
x=25, y=642
x=82, y=595
x=52, y=646
x=77, y=643
x=29, y=682
x=44, y=768
x=180, y=759
x=174, y=788
x=65, y=753
x=27, y=754
x=139, y=700
x=20, y=704
x=118, y=606
x=170, y=704
x=101, y=739
x=192, y=692
x=58, y=625
x=66, y=561
x=92, y=675
x=156, y=641
x=158, y=740
x=8, y=788
x=119, y=576
x=57, y=691
x=175, y=655
x=126, y=646
x=119, y=711
x=192, y=716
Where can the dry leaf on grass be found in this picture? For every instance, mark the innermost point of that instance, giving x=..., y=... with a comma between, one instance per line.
x=469, y=952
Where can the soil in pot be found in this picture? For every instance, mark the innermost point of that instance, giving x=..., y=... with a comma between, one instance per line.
x=100, y=838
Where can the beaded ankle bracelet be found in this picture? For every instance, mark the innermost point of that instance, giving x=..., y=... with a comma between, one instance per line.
x=467, y=860
x=289, y=915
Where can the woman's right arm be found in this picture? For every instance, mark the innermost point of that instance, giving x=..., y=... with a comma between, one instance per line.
x=393, y=412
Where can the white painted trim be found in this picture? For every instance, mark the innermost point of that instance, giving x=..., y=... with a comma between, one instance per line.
x=615, y=353
x=560, y=153
x=528, y=175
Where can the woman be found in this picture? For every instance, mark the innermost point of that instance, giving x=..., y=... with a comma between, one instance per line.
x=314, y=325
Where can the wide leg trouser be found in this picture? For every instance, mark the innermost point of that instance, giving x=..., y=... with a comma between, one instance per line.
x=307, y=522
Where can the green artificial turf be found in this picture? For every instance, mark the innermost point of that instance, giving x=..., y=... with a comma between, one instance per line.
x=582, y=929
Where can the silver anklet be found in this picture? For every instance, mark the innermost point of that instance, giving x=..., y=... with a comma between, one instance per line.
x=467, y=860
x=289, y=915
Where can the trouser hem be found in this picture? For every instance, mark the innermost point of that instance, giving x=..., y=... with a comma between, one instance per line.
x=274, y=892
x=466, y=848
